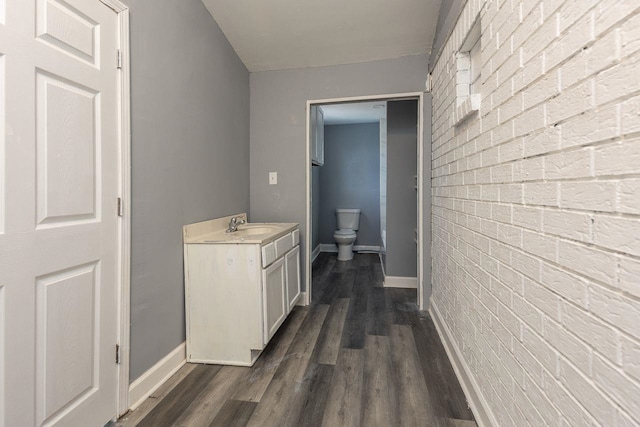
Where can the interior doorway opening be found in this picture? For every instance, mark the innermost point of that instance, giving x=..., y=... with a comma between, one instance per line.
x=355, y=176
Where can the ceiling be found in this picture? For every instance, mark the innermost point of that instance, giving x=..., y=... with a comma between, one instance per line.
x=282, y=34
x=354, y=112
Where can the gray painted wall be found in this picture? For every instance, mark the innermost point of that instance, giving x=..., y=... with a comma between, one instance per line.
x=190, y=157
x=402, y=198
x=350, y=178
x=278, y=125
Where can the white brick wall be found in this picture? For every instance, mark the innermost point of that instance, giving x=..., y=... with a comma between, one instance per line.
x=536, y=211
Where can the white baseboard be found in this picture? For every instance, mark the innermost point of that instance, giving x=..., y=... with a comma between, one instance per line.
x=400, y=282
x=365, y=248
x=331, y=247
x=328, y=247
x=302, y=299
x=315, y=253
x=149, y=382
x=475, y=399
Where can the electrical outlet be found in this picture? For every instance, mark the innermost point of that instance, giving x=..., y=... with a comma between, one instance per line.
x=273, y=178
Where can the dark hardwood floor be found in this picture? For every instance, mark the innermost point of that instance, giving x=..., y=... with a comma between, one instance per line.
x=360, y=355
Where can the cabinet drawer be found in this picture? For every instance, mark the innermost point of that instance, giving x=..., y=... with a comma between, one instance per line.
x=283, y=245
x=276, y=249
x=268, y=254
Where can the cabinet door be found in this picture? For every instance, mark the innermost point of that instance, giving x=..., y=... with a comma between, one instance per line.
x=320, y=138
x=317, y=135
x=292, y=265
x=273, y=298
x=313, y=133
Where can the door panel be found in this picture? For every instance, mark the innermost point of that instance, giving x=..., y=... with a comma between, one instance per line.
x=292, y=265
x=273, y=289
x=59, y=232
x=2, y=145
x=68, y=29
x=67, y=148
x=2, y=371
x=66, y=338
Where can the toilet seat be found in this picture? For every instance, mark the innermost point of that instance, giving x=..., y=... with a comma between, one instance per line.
x=344, y=233
x=344, y=239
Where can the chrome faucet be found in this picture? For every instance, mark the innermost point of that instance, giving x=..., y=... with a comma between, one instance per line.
x=234, y=223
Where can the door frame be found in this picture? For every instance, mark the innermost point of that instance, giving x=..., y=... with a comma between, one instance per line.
x=421, y=238
x=124, y=226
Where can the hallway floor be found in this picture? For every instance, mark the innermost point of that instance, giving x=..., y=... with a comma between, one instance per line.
x=360, y=355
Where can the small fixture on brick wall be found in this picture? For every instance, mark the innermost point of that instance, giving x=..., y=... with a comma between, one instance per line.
x=468, y=73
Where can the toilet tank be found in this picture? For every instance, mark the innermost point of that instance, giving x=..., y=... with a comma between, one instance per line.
x=348, y=219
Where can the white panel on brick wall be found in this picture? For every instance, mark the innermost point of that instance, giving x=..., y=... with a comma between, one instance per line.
x=67, y=145
x=475, y=68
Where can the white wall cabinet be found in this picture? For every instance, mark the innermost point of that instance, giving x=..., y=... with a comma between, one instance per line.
x=238, y=293
x=317, y=136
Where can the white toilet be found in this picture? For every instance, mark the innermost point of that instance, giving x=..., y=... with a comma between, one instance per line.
x=348, y=224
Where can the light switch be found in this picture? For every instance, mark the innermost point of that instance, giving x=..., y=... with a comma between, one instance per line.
x=273, y=178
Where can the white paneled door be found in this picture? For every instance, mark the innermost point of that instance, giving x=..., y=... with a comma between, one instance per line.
x=59, y=183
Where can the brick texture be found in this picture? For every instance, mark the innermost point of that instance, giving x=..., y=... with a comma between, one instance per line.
x=536, y=210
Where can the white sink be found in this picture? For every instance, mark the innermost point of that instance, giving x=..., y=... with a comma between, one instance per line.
x=252, y=230
x=248, y=233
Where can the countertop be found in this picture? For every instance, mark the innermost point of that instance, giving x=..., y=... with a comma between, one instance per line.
x=220, y=236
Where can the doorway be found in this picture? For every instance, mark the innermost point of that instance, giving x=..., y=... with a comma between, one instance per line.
x=372, y=222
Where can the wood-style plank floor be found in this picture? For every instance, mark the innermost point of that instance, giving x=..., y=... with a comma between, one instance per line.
x=360, y=355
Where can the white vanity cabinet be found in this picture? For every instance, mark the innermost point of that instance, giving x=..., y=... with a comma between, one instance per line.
x=239, y=288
